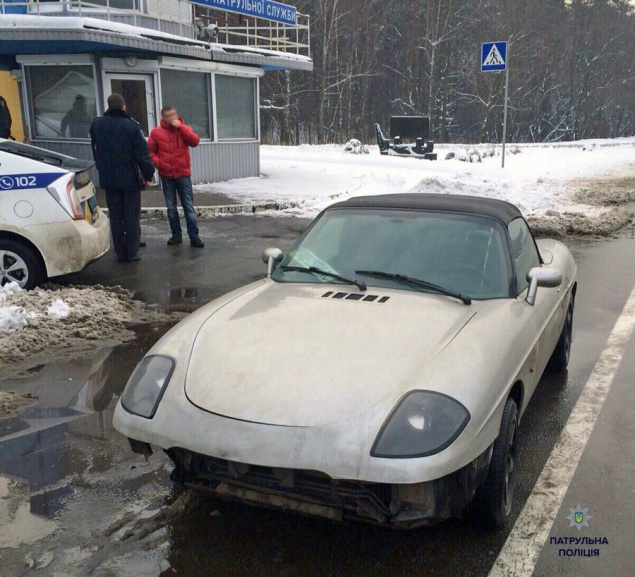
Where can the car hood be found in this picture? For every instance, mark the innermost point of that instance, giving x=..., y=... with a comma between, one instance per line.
x=299, y=355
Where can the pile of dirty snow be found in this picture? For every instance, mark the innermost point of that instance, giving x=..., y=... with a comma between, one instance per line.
x=12, y=318
x=11, y=402
x=43, y=322
x=572, y=223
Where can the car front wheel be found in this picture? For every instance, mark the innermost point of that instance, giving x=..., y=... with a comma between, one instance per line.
x=20, y=264
x=493, y=500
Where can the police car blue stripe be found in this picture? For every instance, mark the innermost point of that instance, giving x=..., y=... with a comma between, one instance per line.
x=26, y=181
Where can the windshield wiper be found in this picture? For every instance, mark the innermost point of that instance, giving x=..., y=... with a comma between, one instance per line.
x=318, y=271
x=403, y=279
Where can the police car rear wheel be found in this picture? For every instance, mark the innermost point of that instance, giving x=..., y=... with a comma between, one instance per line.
x=19, y=263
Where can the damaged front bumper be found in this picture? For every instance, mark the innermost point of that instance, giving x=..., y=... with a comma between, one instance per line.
x=317, y=494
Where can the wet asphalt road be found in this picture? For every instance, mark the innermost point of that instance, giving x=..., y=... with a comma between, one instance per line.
x=80, y=483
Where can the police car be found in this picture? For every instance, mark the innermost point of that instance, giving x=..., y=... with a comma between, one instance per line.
x=50, y=222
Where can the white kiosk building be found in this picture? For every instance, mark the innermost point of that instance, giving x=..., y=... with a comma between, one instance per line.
x=67, y=56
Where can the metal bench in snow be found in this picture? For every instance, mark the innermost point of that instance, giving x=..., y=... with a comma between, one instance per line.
x=413, y=128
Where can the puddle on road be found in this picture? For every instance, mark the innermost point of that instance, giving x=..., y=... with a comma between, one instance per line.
x=178, y=299
x=21, y=526
x=46, y=444
x=63, y=468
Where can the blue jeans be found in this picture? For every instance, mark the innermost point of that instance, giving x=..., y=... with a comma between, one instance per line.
x=183, y=187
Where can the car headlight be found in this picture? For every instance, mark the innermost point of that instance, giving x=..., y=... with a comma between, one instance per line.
x=146, y=385
x=423, y=423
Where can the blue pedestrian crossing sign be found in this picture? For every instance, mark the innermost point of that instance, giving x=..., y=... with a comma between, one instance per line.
x=493, y=56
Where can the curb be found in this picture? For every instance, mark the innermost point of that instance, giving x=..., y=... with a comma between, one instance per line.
x=161, y=212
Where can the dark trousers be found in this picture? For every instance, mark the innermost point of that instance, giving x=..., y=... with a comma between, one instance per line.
x=183, y=187
x=124, y=207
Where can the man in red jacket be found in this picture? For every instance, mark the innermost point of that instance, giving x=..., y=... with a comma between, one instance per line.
x=170, y=144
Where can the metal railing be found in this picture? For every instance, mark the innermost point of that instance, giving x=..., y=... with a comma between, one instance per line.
x=154, y=15
x=265, y=34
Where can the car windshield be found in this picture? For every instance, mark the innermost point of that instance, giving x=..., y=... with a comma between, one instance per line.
x=458, y=252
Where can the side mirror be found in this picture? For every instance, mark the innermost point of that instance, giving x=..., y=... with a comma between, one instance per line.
x=271, y=257
x=541, y=277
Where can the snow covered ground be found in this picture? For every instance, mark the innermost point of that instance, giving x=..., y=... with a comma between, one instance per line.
x=538, y=178
x=51, y=322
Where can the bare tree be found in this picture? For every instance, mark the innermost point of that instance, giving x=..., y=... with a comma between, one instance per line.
x=572, y=70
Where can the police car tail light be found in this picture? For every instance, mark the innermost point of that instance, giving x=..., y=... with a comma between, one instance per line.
x=64, y=192
x=74, y=202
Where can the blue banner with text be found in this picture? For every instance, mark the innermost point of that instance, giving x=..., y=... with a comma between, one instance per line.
x=266, y=9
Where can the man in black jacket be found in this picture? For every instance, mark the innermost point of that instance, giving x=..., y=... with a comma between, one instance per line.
x=5, y=119
x=124, y=165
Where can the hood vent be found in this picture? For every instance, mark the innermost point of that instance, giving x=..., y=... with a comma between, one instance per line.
x=355, y=297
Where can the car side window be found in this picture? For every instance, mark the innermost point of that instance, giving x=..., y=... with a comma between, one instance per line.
x=524, y=252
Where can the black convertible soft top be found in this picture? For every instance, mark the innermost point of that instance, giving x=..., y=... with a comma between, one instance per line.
x=499, y=209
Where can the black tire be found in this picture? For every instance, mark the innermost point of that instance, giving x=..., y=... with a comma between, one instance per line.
x=31, y=272
x=559, y=360
x=493, y=500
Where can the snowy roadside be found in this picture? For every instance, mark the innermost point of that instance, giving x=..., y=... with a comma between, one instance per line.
x=546, y=181
x=63, y=322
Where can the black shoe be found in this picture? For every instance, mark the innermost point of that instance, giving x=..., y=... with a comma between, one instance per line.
x=197, y=243
x=122, y=259
x=175, y=240
x=142, y=244
x=134, y=259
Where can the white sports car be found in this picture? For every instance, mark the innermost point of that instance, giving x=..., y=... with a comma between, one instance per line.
x=50, y=223
x=378, y=373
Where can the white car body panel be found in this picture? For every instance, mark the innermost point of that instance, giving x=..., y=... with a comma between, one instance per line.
x=317, y=357
x=30, y=212
x=237, y=360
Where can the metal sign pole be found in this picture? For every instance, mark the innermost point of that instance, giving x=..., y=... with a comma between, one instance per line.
x=495, y=58
x=505, y=112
